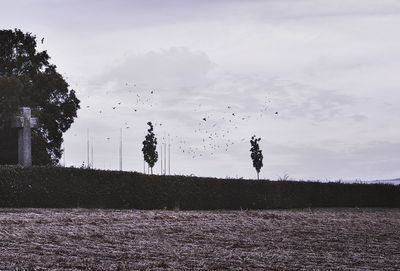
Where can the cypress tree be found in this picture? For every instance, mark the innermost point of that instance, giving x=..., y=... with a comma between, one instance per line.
x=149, y=147
x=256, y=154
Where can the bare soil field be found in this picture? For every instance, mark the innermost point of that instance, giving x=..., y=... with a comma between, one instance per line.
x=82, y=239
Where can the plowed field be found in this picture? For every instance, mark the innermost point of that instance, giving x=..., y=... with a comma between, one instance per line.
x=318, y=239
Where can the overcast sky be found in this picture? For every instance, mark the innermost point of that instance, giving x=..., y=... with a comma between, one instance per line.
x=330, y=69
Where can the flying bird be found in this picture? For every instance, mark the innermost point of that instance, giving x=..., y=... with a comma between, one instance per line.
x=42, y=40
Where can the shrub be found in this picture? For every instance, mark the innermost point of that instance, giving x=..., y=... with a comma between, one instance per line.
x=57, y=187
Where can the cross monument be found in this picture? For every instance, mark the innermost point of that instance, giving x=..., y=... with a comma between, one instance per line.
x=24, y=122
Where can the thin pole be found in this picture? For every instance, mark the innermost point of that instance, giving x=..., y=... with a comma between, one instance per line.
x=169, y=155
x=92, y=165
x=120, y=150
x=64, y=154
x=87, y=143
x=165, y=158
x=161, y=160
x=165, y=154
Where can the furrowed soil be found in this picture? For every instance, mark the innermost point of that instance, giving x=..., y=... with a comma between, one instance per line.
x=317, y=239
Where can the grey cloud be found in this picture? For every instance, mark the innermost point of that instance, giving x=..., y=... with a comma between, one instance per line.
x=172, y=69
x=188, y=86
x=318, y=9
x=296, y=100
x=358, y=118
x=377, y=149
x=362, y=161
x=84, y=16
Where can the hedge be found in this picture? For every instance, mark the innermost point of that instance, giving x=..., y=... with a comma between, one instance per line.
x=57, y=187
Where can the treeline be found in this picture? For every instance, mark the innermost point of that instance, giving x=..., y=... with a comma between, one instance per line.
x=56, y=187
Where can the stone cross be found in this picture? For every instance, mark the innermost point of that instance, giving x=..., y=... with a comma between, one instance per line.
x=24, y=123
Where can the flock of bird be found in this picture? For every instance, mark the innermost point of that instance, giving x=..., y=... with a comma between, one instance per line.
x=213, y=133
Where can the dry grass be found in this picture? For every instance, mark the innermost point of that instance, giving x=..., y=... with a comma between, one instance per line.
x=80, y=239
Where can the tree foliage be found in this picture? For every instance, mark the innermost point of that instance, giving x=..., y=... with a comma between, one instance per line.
x=28, y=79
x=149, y=147
x=256, y=154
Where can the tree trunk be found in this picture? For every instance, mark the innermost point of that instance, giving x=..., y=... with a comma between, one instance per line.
x=258, y=175
x=151, y=170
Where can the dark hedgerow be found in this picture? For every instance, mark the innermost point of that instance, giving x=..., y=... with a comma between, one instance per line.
x=56, y=187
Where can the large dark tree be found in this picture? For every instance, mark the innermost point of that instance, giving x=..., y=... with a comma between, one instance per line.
x=149, y=147
x=28, y=79
x=256, y=154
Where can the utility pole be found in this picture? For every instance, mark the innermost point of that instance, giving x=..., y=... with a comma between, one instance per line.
x=165, y=158
x=161, y=160
x=169, y=155
x=87, y=143
x=92, y=165
x=165, y=154
x=120, y=150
